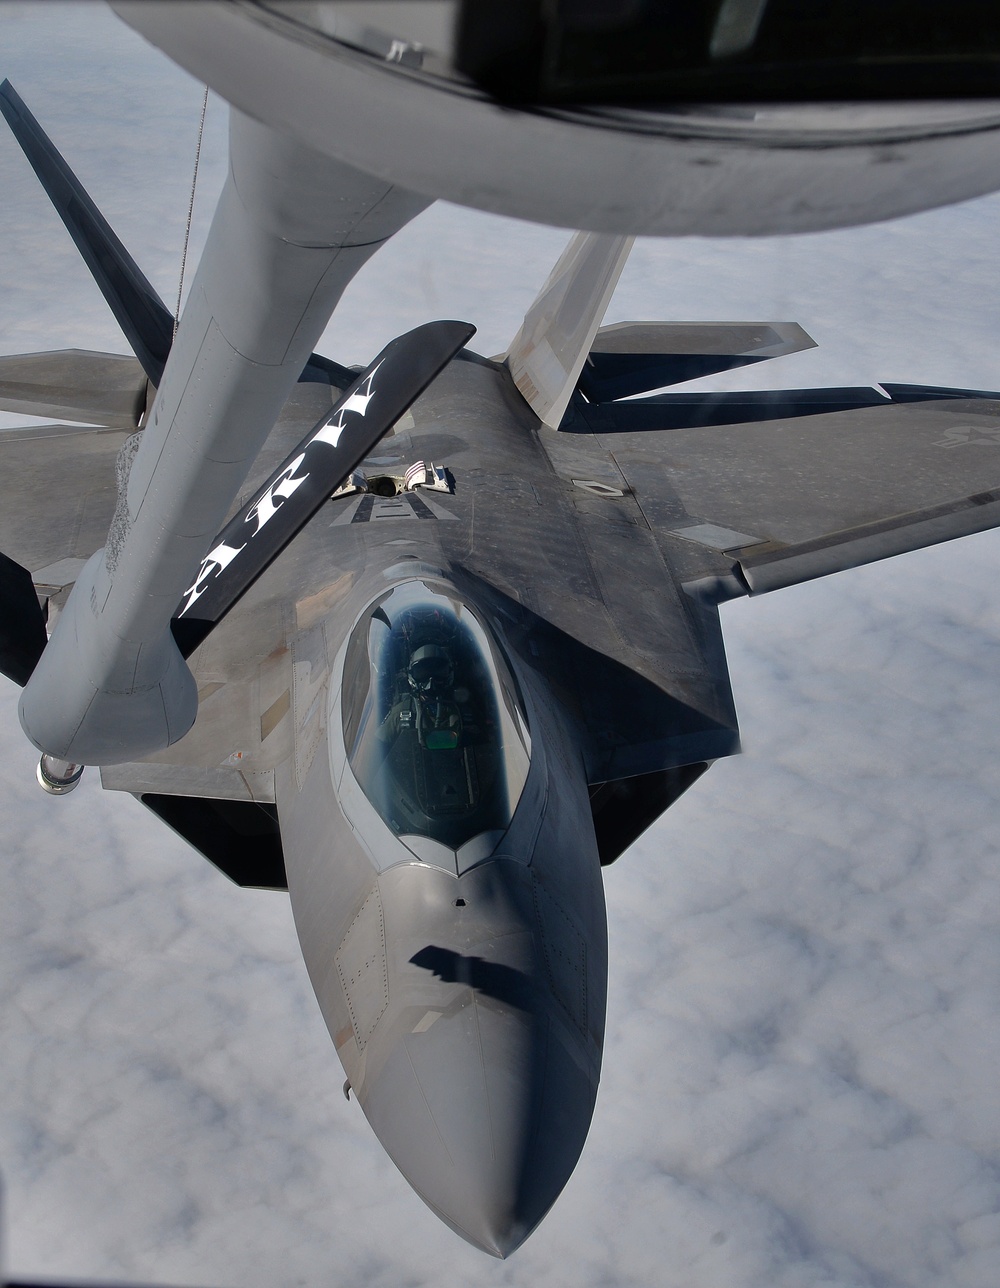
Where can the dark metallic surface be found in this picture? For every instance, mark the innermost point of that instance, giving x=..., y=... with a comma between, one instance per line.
x=22, y=622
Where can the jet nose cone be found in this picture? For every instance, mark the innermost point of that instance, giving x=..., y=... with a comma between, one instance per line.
x=485, y=1112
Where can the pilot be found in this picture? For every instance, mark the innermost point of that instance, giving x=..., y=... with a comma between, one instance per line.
x=430, y=671
x=429, y=707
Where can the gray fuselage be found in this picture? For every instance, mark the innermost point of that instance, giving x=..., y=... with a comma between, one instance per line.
x=463, y=978
x=464, y=985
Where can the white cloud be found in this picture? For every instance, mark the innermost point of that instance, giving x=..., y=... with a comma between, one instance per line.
x=800, y=1079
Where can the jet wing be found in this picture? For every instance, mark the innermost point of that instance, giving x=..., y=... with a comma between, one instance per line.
x=58, y=486
x=771, y=490
x=57, y=496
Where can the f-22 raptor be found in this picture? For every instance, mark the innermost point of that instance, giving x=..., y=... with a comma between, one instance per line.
x=453, y=642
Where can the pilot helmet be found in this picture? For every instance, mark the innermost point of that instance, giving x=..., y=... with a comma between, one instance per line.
x=430, y=670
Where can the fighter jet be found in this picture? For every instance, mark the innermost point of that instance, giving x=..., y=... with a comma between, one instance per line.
x=430, y=704
x=425, y=644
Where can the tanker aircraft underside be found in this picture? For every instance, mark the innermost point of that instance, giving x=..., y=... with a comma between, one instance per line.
x=426, y=645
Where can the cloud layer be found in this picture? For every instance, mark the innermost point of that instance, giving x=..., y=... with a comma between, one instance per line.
x=800, y=1084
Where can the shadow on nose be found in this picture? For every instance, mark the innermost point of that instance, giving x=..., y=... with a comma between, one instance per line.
x=485, y=1112
x=504, y=983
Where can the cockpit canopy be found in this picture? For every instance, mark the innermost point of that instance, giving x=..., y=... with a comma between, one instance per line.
x=434, y=727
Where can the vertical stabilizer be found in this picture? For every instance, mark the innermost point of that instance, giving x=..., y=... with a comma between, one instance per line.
x=139, y=311
x=547, y=354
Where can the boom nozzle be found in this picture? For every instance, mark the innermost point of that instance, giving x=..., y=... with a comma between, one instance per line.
x=57, y=777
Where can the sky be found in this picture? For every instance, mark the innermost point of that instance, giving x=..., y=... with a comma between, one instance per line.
x=800, y=1085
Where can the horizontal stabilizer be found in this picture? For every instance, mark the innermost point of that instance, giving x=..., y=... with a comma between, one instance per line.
x=22, y=623
x=692, y=411
x=96, y=388
x=634, y=357
x=548, y=352
x=333, y=448
x=928, y=393
x=139, y=311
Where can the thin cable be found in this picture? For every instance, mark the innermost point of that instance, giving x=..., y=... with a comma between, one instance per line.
x=187, y=230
